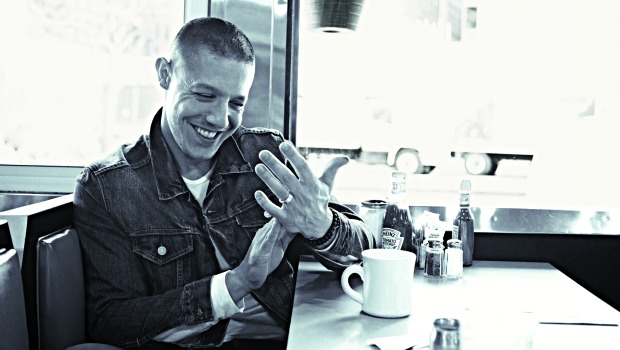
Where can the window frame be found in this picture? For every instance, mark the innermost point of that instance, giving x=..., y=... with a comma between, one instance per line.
x=38, y=179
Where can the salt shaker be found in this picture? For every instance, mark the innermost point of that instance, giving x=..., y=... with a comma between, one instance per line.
x=445, y=335
x=373, y=213
x=454, y=259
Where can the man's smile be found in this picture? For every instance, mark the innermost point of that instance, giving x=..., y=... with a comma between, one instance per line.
x=205, y=133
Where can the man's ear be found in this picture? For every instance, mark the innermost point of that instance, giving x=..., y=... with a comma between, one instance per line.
x=163, y=72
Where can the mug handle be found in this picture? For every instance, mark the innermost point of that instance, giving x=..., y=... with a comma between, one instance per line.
x=344, y=282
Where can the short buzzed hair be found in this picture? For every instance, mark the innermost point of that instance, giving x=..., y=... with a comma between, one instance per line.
x=217, y=35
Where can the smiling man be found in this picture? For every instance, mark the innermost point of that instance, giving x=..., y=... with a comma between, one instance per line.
x=207, y=86
x=184, y=232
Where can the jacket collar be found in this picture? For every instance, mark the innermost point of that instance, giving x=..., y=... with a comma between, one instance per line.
x=228, y=160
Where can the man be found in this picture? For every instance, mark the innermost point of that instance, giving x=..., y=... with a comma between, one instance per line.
x=184, y=232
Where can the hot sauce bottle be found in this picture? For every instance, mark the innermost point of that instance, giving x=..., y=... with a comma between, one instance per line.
x=463, y=228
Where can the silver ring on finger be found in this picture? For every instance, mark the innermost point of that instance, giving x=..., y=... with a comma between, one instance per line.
x=288, y=199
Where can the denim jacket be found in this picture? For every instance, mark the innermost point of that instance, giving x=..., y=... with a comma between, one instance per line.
x=148, y=245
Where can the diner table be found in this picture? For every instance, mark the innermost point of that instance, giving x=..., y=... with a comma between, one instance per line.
x=499, y=305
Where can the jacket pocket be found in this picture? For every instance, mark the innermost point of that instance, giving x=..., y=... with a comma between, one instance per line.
x=251, y=220
x=160, y=246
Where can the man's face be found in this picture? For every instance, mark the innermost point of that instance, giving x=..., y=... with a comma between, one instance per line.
x=204, y=102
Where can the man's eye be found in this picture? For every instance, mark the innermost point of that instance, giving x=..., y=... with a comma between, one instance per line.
x=237, y=106
x=206, y=96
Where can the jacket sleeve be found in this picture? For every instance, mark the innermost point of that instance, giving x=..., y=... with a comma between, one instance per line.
x=121, y=307
x=346, y=243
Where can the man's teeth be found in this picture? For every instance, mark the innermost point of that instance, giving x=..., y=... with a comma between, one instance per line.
x=205, y=133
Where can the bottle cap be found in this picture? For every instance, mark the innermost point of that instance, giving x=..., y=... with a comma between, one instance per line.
x=374, y=203
x=455, y=243
x=465, y=186
x=435, y=243
x=399, y=174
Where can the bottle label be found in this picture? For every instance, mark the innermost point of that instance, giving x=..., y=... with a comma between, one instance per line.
x=398, y=185
x=435, y=230
x=391, y=238
x=464, y=199
x=455, y=232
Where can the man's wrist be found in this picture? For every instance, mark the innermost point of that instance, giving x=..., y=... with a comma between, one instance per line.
x=331, y=231
x=236, y=288
x=223, y=305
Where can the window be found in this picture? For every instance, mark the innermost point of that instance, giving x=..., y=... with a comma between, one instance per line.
x=525, y=105
x=77, y=78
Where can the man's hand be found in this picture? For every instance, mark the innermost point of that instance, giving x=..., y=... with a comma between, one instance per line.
x=263, y=256
x=304, y=199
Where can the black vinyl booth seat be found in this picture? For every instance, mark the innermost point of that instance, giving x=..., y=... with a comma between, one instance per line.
x=13, y=331
x=60, y=291
x=52, y=275
x=5, y=235
x=61, y=308
x=27, y=225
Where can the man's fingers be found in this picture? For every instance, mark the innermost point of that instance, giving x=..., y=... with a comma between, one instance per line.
x=264, y=240
x=271, y=181
x=297, y=161
x=276, y=232
x=261, y=235
x=329, y=174
x=278, y=168
x=271, y=210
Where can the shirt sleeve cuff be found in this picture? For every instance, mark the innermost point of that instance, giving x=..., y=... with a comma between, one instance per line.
x=223, y=305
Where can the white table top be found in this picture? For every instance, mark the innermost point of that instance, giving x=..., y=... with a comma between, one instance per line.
x=500, y=305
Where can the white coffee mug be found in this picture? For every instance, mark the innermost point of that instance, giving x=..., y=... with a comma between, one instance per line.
x=387, y=276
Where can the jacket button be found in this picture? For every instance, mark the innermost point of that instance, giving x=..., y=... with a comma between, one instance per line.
x=162, y=250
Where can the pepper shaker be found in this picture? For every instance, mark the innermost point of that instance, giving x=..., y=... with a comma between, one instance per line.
x=434, y=266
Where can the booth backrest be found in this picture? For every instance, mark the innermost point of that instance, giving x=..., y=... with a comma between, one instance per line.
x=5, y=235
x=27, y=225
x=51, y=275
x=60, y=291
x=592, y=260
x=13, y=331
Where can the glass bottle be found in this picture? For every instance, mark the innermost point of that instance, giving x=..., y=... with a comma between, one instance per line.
x=463, y=227
x=422, y=254
x=397, y=230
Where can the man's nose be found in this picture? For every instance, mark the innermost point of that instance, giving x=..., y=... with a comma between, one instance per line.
x=218, y=115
